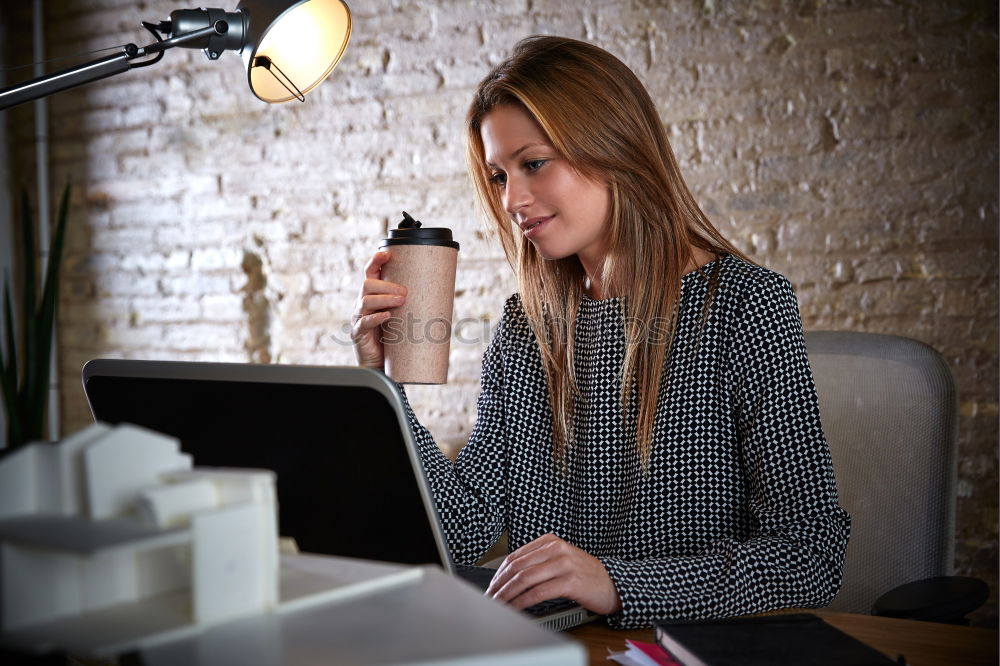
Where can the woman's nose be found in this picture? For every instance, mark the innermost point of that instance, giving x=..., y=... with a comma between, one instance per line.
x=517, y=195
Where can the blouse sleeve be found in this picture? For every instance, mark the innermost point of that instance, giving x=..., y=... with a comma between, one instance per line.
x=471, y=493
x=794, y=553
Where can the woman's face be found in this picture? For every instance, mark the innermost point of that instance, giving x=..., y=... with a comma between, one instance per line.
x=558, y=209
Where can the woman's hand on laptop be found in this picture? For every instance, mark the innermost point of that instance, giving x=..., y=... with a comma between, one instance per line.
x=550, y=567
x=372, y=310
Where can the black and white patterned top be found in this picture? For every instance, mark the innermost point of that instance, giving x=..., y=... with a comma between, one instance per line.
x=738, y=512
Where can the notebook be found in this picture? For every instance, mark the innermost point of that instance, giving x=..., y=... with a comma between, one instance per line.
x=803, y=639
x=349, y=478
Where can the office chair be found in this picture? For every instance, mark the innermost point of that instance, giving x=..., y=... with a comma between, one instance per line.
x=890, y=414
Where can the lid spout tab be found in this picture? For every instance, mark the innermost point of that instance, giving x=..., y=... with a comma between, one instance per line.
x=408, y=222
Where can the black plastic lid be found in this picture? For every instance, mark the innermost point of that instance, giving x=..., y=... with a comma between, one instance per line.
x=410, y=232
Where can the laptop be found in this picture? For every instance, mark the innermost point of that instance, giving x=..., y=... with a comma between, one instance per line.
x=349, y=478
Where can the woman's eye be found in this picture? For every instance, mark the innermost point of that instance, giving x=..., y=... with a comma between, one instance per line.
x=533, y=165
x=499, y=179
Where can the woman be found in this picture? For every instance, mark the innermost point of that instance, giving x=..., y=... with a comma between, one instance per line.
x=647, y=431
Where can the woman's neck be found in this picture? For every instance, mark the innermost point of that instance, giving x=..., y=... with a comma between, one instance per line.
x=592, y=270
x=593, y=289
x=592, y=283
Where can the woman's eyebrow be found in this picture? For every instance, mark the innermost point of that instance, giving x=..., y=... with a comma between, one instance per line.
x=519, y=151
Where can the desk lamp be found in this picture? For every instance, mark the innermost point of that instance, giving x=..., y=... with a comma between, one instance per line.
x=288, y=48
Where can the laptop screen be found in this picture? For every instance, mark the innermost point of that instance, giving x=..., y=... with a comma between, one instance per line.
x=345, y=482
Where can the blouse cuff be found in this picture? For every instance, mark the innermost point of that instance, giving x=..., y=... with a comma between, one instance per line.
x=639, y=609
x=668, y=593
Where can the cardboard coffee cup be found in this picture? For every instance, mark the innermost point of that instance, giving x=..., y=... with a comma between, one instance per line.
x=417, y=335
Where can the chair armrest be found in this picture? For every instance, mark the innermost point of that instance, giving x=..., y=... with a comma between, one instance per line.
x=946, y=599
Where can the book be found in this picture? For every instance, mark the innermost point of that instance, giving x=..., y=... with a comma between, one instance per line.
x=802, y=639
x=640, y=653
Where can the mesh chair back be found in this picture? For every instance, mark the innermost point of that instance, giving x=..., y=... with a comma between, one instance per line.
x=890, y=414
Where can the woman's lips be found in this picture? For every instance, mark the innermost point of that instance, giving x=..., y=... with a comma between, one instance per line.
x=534, y=226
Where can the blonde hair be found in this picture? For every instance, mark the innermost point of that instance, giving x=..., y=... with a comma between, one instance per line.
x=598, y=115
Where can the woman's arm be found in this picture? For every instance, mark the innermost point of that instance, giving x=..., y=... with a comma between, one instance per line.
x=471, y=493
x=469, y=496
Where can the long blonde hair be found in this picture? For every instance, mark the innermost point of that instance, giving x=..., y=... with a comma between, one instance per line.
x=598, y=115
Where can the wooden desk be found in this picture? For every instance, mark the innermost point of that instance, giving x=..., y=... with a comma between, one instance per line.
x=922, y=643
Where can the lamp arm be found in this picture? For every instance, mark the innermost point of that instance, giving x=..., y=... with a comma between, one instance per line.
x=101, y=68
x=44, y=86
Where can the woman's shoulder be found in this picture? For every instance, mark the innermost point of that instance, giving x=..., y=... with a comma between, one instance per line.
x=513, y=319
x=752, y=295
x=741, y=279
x=513, y=304
x=513, y=309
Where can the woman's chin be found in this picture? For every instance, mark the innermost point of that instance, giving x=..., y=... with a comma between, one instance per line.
x=547, y=254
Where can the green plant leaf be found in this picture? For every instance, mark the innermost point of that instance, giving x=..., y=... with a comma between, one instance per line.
x=47, y=313
x=24, y=377
x=10, y=348
x=8, y=374
x=29, y=276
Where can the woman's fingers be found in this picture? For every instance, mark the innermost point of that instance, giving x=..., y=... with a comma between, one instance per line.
x=373, y=268
x=528, y=555
x=366, y=323
x=376, y=293
x=376, y=286
x=550, y=567
x=534, y=577
x=552, y=588
x=379, y=301
x=375, y=299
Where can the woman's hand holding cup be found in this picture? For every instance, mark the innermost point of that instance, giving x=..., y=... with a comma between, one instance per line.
x=372, y=310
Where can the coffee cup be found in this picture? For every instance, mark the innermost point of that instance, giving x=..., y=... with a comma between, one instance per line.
x=417, y=335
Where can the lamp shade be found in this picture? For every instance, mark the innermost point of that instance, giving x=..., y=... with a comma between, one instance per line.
x=292, y=46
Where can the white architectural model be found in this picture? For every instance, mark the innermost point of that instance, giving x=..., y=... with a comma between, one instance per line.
x=117, y=518
x=111, y=542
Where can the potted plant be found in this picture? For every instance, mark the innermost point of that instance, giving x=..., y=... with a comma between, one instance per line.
x=24, y=367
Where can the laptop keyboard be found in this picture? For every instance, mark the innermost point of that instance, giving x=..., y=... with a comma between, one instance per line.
x=481, y=577
x=478, y=576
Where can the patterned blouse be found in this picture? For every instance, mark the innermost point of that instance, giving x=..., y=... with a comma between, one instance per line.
x=738, y=510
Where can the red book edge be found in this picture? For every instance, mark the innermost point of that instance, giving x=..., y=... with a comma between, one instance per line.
x=654, y=652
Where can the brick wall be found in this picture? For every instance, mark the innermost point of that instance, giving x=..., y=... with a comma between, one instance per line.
x=851, y=146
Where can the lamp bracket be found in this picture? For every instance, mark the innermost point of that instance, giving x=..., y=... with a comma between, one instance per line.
x=217, y=42
x=183, y=40
x=187, y=21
